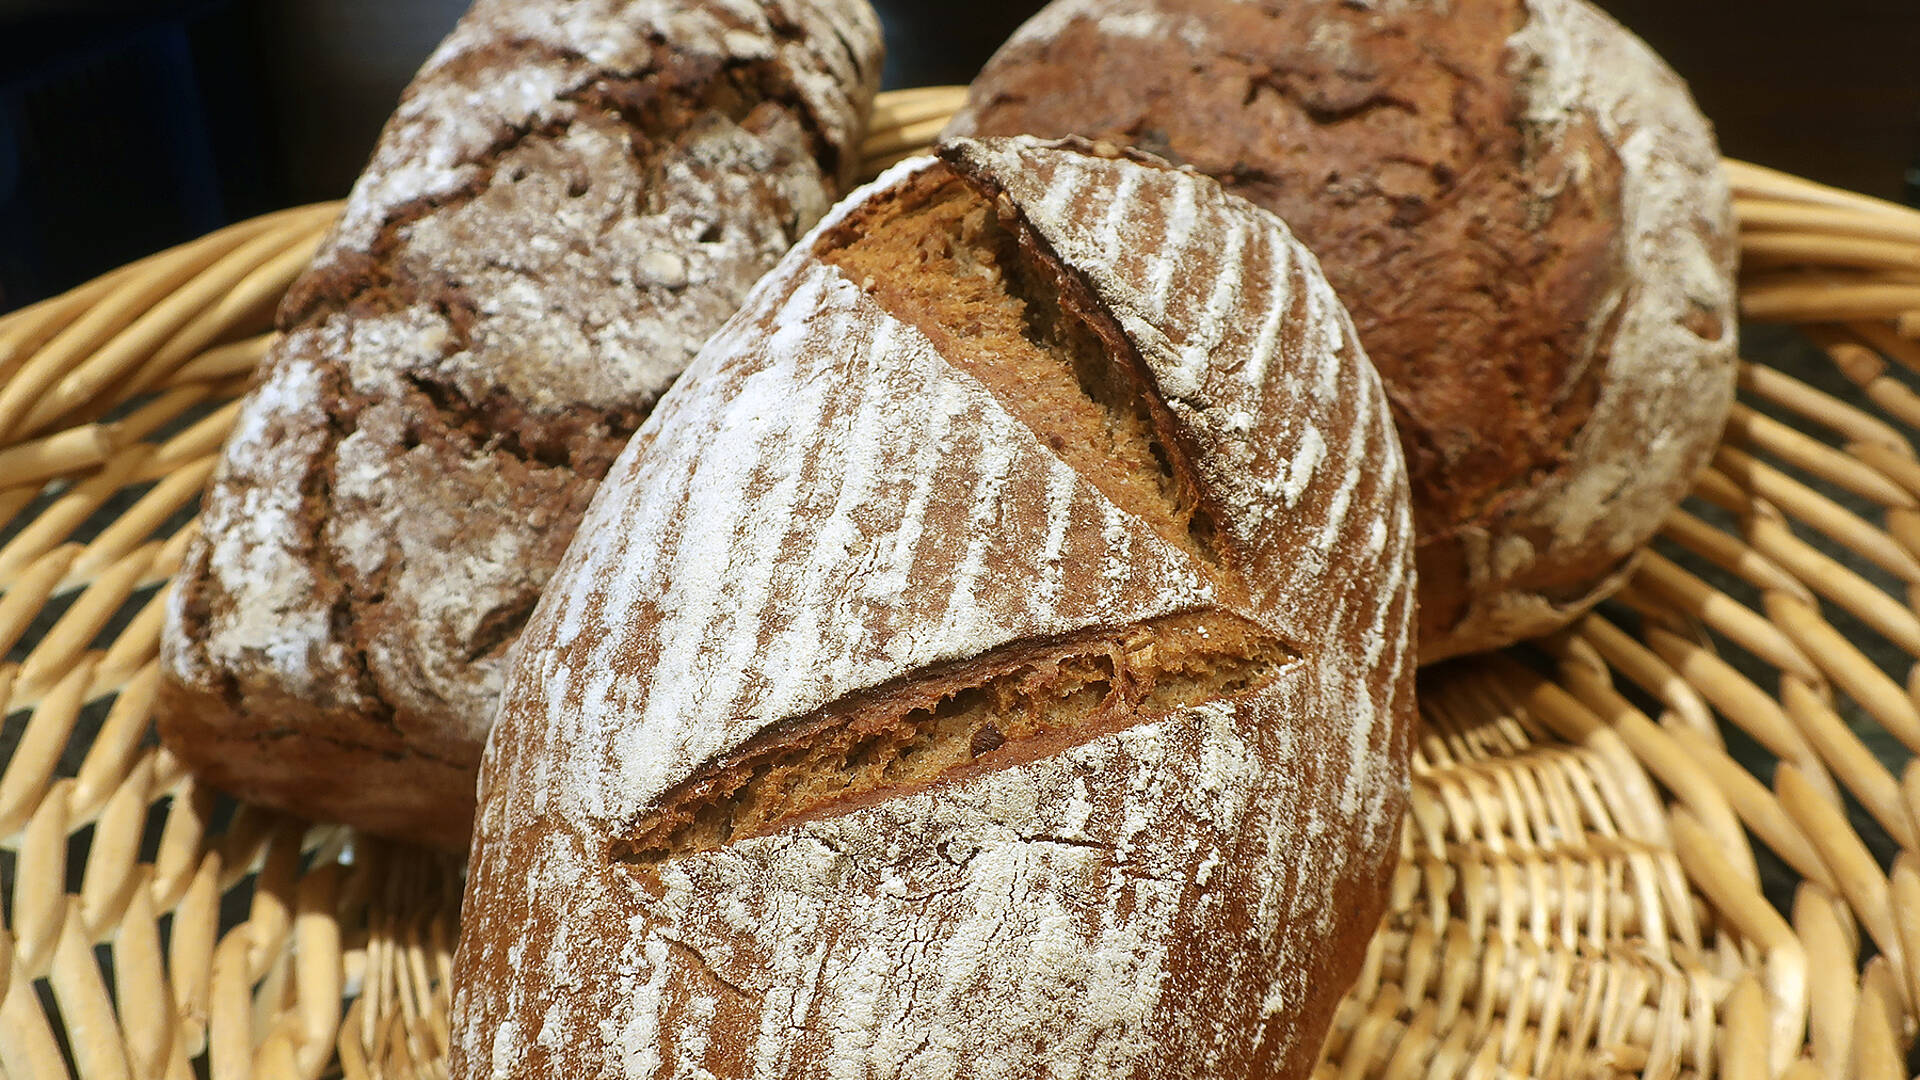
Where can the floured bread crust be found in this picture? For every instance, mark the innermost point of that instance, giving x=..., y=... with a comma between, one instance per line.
x=831, y=514
x=1522, y=209
x=568, y=200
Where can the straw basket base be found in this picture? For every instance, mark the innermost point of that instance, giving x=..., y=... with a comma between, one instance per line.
x=1598, y=819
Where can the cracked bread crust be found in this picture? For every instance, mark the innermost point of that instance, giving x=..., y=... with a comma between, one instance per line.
x=836, y=516
x=567, y=201
x=1520, y=206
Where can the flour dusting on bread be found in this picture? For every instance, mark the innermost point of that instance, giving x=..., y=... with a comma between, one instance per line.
x=569, y=199
x=830, y=507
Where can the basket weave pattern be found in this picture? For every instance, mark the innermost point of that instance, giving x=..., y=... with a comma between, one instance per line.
x=1596, y=824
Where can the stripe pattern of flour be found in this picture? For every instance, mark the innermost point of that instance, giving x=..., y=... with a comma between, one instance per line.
x=825, y=505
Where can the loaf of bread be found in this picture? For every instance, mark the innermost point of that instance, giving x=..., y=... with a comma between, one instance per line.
x=992, y=659
x=569, y=200
x=1519, y=204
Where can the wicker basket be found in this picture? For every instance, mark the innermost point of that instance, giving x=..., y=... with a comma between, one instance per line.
x=1665, y=841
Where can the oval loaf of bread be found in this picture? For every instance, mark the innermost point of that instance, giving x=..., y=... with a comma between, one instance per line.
x=1520, y=205
x=570, y=198
x=993, y=659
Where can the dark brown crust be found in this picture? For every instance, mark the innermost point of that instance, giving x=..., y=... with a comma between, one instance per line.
x=1394, y=148
x=488, y=452
x=303, y=772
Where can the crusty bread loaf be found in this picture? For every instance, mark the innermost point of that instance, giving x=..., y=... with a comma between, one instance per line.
x=1522, y=209
x=570, y=198
x=992, y=659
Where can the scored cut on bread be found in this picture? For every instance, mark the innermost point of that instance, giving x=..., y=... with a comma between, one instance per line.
x=994, y=656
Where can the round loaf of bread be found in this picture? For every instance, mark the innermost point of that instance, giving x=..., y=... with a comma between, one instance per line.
x=993, y=658
x=1520, y=206
x=568, y=201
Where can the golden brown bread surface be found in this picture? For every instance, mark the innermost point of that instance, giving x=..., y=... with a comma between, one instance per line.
x=890, y=717
x=1518, y=204
x=936, y=254
x=568, y=200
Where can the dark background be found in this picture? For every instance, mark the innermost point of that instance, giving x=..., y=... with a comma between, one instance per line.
x=126, y=127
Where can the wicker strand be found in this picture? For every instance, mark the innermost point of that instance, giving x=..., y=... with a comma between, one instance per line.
x=146, y=285
x=1763, y=216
